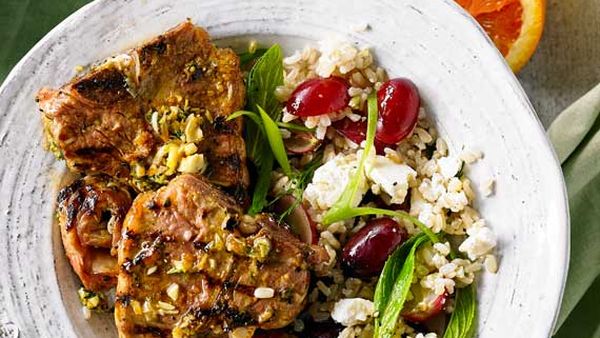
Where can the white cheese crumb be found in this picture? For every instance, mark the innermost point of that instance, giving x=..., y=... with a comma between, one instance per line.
x=330, y=180
x=480, y=241
x=390, y=177
x=471, y=156
x=449, y=166
x=352, y=311
x=263, y=293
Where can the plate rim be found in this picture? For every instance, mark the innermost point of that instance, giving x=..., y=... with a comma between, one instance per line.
x=510, y=77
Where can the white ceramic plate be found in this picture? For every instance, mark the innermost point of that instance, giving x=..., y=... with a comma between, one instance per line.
x=474, y=98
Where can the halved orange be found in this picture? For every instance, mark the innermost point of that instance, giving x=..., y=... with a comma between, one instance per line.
x=515, y=26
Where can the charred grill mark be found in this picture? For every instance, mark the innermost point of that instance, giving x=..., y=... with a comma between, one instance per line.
x=107, y=86
x=72, y=210
x=123, y=299
x=67, y=191
x=158, y=47
x=146, y=252
x=221, y=126
x=152, y=330
x=150, y=51
x=237, y=318
x=238, y=192
x=232, y=223
x=91, y=151
x=127, y=266
x=89, y=202
x=130, y=235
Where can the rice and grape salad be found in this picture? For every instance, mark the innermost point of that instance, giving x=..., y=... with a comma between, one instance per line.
x=417, y=174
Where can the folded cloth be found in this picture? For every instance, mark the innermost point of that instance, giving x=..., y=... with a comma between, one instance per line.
x=575, y=135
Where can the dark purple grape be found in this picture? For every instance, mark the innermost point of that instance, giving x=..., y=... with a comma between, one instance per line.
x=366, y=252
x=322, y=329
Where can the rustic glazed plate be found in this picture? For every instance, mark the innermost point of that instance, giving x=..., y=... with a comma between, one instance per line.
x=474, y=98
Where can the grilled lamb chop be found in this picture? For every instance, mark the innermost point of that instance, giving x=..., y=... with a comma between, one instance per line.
x=192, y=265
x=91, y=211
x=101, y=122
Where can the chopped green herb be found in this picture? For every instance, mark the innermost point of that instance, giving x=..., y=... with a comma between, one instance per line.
x=294, y=127
x=343, y=208
x=461, y=171
x=275, y=141
x=263, y=78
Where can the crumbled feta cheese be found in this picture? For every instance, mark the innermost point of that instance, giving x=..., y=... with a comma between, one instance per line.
x=471, y=156
x=479, y=242
x=330, y=180
x=449, y=166
x=390, y=177
x=433, y=188
x=455, y=201
x=352, y=311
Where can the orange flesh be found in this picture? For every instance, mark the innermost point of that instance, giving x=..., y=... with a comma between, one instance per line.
x=501, y=19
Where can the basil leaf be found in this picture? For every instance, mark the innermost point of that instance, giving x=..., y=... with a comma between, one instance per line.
x=462, y=321
x=343, y=206
x=386, y=322
x=275, y=141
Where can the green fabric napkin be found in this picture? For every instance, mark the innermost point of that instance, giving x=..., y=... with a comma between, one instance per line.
x=576, y=138
x=575, y=134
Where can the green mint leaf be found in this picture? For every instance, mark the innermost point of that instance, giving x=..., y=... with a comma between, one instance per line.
x=275, y=141
x=462, y=321
x=247, y=57
x=343, y=206
x=388, y=275
x=263, y=78
x=386, y=322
